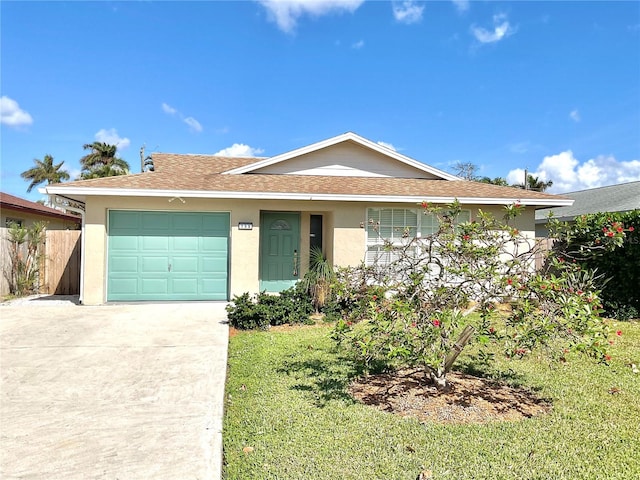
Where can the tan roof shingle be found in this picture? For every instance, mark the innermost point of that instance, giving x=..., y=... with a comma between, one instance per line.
x=205, y=173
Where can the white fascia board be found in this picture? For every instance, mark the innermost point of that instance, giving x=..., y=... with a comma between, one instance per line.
x=111, y=192
x=335, y=140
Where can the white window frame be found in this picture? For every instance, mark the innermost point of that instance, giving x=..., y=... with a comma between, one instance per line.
x=400, y=234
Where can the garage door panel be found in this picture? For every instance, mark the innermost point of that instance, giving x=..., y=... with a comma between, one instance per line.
x=168, y=256
x=154, y=286
x=186, y=244
x=184, y=286
x=124, y=243
x=154, y=265
x=184, y=265
x=213, y=244
x=214, y=265
x=123, y=264
x=212, y=287
x=217, y=224
x=128, y=221
x=123, y=285
x=188, y=221
x=155, y=243
x=155, y=222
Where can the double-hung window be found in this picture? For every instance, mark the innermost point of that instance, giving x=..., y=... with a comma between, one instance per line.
x=398, y=226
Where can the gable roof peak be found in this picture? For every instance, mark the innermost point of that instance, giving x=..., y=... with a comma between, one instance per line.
x=344, y=137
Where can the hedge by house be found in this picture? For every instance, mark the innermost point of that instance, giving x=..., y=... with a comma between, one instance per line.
x=610, y=244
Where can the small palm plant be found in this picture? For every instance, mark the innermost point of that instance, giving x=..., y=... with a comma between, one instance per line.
x=319, y=278
x=25, y=257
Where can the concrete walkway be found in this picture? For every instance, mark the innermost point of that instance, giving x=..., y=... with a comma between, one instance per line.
x=112, y=392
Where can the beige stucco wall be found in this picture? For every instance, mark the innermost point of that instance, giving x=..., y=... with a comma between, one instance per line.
x=344, y=235
x=28, y=219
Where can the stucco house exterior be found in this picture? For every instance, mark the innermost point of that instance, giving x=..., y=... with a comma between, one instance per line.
x=25, y=213
x=203, y=227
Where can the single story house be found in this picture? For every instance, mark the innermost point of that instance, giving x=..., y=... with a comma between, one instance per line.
x=203, y=227
x=25, y=213
x=623, y=197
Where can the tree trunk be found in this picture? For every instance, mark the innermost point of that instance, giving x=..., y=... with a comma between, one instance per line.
x=439, y=377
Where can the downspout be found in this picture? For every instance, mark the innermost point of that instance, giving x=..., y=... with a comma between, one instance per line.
x=65, y=203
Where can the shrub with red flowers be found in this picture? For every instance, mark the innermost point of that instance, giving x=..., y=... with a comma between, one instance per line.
x=610, y=244
x=442, y=291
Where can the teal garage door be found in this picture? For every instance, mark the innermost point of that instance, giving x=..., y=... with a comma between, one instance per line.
x=167, y=256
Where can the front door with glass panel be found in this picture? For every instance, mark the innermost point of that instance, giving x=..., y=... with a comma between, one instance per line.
x=279, y=250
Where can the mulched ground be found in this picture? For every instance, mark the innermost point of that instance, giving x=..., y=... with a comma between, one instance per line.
x=469, y=399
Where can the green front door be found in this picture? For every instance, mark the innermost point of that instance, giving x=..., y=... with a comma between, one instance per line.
x=167, y=256
x=279, y=250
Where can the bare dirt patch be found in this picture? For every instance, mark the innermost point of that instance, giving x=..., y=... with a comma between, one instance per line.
x=469, y=400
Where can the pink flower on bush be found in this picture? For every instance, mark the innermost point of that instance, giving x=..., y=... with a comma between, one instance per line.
x=631, y=229
x=436, y=322
x=619, y=333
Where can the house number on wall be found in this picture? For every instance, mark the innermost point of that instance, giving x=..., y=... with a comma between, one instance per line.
x=245, y=226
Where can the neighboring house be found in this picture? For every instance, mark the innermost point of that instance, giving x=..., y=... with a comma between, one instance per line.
x=25, y=213
x=613, y=198
x=203, y=227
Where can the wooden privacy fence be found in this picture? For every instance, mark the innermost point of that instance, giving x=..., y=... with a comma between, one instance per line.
x=62, y=262
x=60, y=268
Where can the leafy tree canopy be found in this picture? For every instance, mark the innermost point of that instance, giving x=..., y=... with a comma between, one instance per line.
x=44, y=171
x=102, y=161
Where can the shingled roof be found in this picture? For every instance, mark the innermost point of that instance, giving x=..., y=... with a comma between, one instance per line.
x=612, y=198
x=211, y=176
x=11, y=202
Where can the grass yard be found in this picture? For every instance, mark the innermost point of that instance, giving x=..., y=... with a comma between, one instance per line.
x=289, y=416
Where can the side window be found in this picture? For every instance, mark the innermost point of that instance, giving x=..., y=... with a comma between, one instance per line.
x=17, y=221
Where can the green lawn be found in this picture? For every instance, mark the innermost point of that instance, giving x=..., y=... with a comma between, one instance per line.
x=286, y=399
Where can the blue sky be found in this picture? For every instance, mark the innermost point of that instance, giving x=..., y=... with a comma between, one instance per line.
x=553, y=87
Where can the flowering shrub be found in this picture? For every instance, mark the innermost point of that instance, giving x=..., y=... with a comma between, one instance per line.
x=421, y=312
x=610, y=244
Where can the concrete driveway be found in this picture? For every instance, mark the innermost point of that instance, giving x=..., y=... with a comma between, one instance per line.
x=112, y=392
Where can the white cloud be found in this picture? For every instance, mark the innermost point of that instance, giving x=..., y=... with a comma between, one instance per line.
x=194, y=125
x=575, y=115
x=111, y=137
x=501, y=29
x=285, y=13
x=169, y=109
x=569, y=175
x=461, y=5
x=407, y=11
x=388, y=145
x=239, y=150
x=11, y=114
x=358, y=45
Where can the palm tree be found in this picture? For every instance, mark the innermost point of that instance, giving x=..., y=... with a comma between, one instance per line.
x=102, y=161
x=45, y=171
x=535, y=183
x=494, y=181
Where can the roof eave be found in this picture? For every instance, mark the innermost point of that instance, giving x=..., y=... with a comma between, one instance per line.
x=74, y=192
